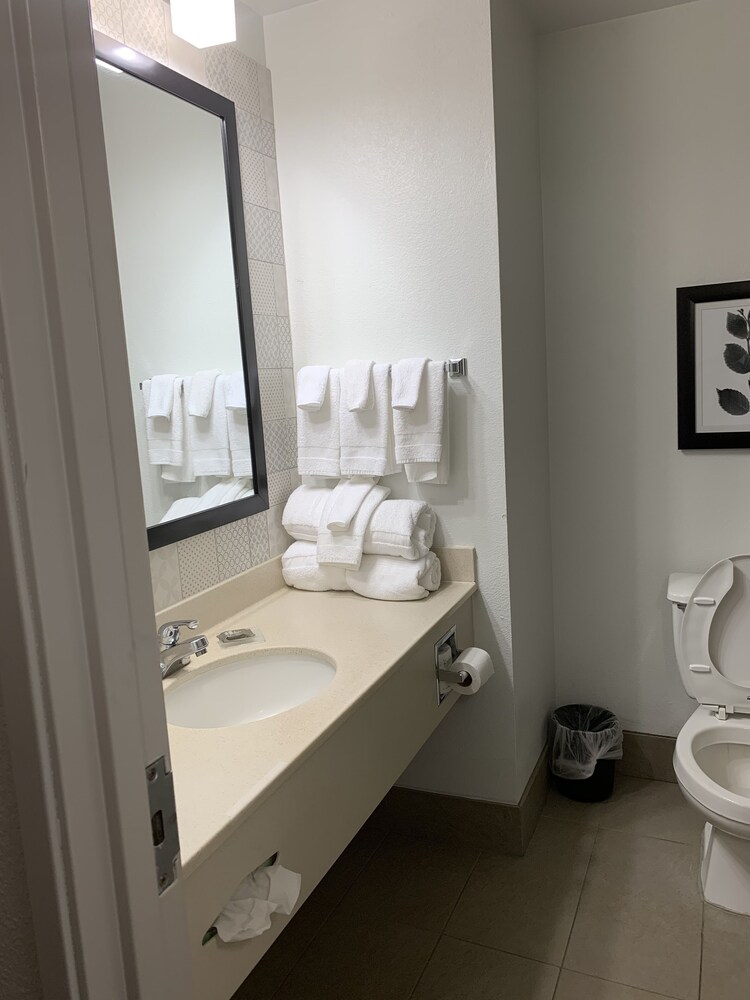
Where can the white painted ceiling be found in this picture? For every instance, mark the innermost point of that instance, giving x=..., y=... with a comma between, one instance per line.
x=554, y=15
x=549, y=15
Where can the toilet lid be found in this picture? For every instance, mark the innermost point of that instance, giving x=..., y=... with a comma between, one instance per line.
x=715, y=636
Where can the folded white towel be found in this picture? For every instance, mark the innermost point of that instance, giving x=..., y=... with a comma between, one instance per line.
x=404, y=528
x=344, y=548
x=356, y=385
x=164, y=436
x=385, y=579
x=234, y=391
x=407, y=382
x=303, y=512
x=344, y=502
x=182, y=473
x=300, y=569
x=208, y=437
x=161, y=399
x=434, y=473
x=221, y=493
x=201, y=396
x=181, y=508
x=367, y=435
x=318, y=442
x=419, y=432
x=312, y=385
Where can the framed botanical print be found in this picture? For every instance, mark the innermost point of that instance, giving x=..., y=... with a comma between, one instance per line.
x=713, y=366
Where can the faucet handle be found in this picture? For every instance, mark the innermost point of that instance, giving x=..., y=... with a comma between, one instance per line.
x=169, y=633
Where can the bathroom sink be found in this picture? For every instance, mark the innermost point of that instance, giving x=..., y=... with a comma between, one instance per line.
x=247, y=689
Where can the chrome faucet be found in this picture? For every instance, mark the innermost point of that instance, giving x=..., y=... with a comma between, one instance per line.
x=173, y=654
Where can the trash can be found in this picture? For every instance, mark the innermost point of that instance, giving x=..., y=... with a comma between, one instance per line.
x=585, y=743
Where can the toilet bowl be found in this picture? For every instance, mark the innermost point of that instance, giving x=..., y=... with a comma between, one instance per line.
x=711, y=619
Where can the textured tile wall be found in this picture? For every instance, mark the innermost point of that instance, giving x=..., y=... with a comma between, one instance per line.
x=196, y=563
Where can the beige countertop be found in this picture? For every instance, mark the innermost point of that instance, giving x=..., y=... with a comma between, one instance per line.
x=221, y=775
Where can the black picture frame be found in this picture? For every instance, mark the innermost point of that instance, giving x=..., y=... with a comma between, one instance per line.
x=138, y=65
x=689, y=437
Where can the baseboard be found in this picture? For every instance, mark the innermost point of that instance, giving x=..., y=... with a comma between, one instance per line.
x=452, y=819
x=647, y=756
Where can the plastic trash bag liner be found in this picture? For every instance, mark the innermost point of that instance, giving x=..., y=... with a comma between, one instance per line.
x=580, y=736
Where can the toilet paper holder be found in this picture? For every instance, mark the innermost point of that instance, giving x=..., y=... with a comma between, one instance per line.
x=444, y=675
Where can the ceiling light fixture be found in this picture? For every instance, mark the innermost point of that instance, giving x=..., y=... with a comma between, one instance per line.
x=203, y=23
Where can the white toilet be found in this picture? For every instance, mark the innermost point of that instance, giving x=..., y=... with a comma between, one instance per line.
x=711, y=619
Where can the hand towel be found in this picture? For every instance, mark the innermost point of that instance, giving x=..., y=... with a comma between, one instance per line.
x=419, y=432
x=385, y=579
x=300, y=569
x=344, y=502
x=234, y=390
x=312, y=386
x=304, y=511
x=201, y=396
x=404, y=528
x=318, y=442
x=407, y=382
x=182, y=473
x=367, y=435
x=162, y=396
x=356, y=385
x=164, y=437
x=434, y=473
x=208, y=437
x=344, y=548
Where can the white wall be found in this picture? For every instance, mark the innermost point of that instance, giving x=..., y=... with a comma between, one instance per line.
x=646, y=188
x=385, y=134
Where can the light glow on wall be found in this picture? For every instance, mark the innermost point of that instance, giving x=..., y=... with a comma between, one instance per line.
x=203, y=23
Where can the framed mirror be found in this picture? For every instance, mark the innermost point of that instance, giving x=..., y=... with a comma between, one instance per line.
x=174, y=174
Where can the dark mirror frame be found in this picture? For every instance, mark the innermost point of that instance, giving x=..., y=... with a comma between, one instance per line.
x=140, y=66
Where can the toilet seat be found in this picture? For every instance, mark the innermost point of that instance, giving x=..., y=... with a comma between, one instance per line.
x=700, y=675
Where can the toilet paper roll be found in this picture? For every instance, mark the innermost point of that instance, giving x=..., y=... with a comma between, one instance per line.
x=477, y=664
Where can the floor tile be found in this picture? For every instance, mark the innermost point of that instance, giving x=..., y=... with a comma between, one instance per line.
x=332, y=888
x=726, y=955
x=638, y=806
x=355, y=961
x=574, y=986
x=526, y=905
x=459, y=970
x=639, y=920
x=410, y=881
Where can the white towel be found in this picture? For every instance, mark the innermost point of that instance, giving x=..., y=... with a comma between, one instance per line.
x=312, y=386
x=221, y=493
x=208, y=437
x=419, y=432
x=434, y=473
x=344, y=548
x=318, y=442
x=300, y=569
x=161, y=399
x=344, y=502
x=234, y=390
x=385, y=579
x=367, y=435
x=182, y=473
x=407, y=382
x=404, y=528
x=201, y=396
x=304, y=511
x=356, y=385
x=164, y=436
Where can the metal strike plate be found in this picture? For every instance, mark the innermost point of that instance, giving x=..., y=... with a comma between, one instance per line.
x=164, y=832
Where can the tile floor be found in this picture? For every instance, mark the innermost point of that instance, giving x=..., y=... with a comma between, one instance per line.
x=604, y=906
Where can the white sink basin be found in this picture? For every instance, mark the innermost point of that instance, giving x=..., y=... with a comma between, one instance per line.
x=247, y=689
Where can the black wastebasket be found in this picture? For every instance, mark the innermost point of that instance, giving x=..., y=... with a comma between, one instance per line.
x=585, y=742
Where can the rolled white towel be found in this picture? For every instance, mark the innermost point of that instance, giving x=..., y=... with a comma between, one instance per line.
x=383, y=578
x=404, y=528
x=304, y=511
x=300, y=569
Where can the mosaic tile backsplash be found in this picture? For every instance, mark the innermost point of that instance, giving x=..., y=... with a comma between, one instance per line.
x=196, y=563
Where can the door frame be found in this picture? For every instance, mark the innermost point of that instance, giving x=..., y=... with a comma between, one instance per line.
x=80, y=681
